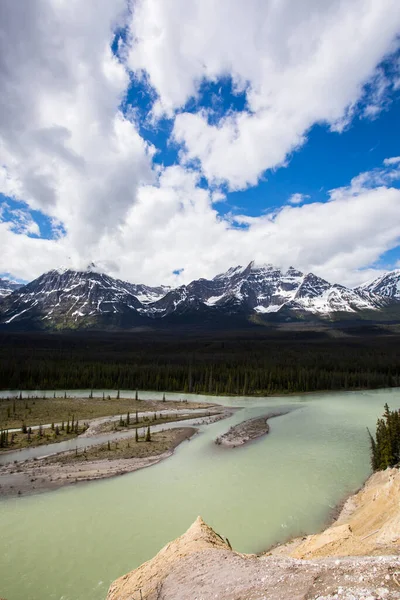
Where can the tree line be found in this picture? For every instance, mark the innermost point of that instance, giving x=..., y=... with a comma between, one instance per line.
x=241, y=364
x=385, y=447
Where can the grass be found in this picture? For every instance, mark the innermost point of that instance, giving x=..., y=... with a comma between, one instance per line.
x=18, y=440
x=161, y=442
x=145, y=421
x=40, y=411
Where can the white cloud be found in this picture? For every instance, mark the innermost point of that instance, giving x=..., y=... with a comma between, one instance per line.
x=173, y=225
x=394, y=160
x=18, y=220
x=300, y=63
x=68, y=150
x=297, y=198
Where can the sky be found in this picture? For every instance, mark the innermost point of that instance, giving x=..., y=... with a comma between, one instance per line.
x=167, y=140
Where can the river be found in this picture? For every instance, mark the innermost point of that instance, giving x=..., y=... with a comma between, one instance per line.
x=70, y=544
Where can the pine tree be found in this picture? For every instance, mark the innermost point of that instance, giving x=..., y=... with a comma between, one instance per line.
x=385, y=450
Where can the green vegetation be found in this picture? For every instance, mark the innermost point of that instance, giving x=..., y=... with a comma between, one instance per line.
x=385, y=448
x=22, y=412
x=127, y=448
x=28, y=437
x=146, y=421
x=245, y=362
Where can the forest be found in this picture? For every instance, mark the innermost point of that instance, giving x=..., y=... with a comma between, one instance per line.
x=232, y=362
x=385, y=447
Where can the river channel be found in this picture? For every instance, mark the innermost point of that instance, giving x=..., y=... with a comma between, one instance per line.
x=71, y=543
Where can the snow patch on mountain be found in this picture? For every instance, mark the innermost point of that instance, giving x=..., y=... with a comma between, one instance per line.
x=62, y=296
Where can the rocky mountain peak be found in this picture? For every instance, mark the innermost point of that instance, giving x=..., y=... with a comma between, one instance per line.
x=69, y=297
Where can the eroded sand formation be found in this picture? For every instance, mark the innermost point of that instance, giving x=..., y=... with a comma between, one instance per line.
x=354, y=559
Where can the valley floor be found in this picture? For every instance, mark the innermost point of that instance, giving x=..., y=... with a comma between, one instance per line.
x=54, y=472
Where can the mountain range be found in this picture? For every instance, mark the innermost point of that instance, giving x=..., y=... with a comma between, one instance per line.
x=7, y=287
x=67, y=299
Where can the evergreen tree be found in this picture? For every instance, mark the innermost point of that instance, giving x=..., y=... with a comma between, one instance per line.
x=385, y=449
x=148, y=435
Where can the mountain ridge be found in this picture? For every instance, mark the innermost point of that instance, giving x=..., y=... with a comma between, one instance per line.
x=65, y=298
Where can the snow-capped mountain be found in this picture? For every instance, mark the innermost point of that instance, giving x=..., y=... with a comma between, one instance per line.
x=263, y=289
x=387, y=286
x=66, y=298
x=7, y=286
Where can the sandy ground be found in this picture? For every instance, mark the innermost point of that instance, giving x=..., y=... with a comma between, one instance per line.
x=35, y=476
x=200, y=565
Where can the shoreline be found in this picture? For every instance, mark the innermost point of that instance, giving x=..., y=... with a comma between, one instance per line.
x=365, y=522
x=282, y=394
x=47, y=474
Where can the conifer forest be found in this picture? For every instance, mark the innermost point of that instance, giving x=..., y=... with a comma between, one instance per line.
x=234, y=362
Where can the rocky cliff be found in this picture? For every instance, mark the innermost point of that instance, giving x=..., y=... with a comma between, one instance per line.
x=201, y=565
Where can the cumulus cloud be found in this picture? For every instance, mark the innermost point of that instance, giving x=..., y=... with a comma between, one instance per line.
x=18, y=220
x=394, y=160
x=69, y=149
x=297, y=198
x=298, y=63
x=66, y=147
x=173, y=226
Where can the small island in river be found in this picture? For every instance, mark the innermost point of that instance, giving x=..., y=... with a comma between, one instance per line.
x=249, y=430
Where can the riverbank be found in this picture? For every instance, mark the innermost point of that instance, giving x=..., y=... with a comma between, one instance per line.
x=368, y=524
x=36, y=411
x=249, y=430
x=98, y=462
x=355, y=559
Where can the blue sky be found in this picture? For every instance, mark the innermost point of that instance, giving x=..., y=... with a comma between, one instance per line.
x=195, y=131
x=327, y=160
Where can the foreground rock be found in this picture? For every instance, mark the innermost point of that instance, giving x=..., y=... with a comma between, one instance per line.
x=245, y=432
x=201, y=565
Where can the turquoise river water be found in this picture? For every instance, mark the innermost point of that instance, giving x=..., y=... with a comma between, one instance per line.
x=70, y=544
